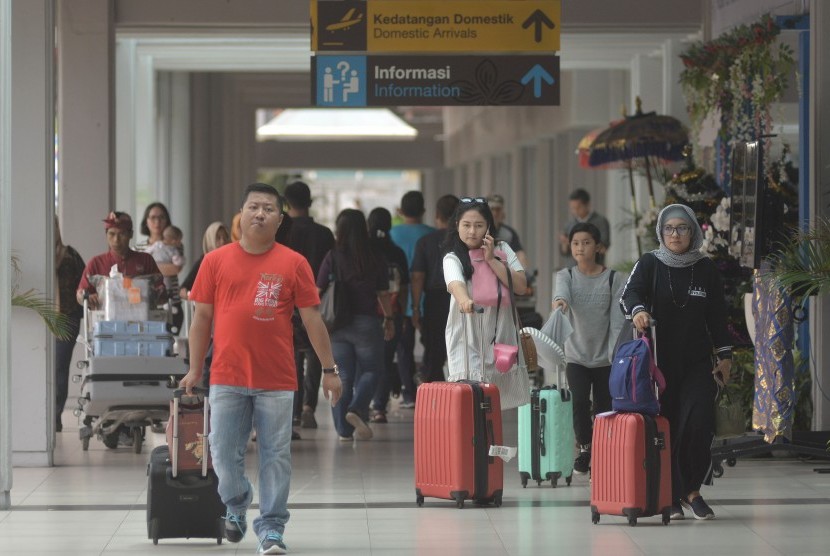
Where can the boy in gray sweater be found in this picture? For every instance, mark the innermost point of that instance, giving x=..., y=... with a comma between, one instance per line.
x=588, y=293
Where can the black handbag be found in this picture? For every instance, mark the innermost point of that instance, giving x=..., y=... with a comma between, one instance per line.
x=334, y=303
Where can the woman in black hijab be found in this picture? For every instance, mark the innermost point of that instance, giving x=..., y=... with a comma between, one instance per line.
x=686, y=301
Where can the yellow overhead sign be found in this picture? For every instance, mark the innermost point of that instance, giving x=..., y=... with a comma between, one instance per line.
x=436, y=25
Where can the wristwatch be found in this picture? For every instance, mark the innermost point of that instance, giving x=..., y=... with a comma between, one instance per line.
x=331, y=370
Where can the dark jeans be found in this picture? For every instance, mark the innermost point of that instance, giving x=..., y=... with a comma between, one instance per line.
x=433, y=326
x=385, y=378
x=406, y=359
x=63, y=358
x=582, y=381
x=309, y=375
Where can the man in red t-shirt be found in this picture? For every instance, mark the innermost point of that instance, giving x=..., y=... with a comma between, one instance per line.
x=247, y=292
x=119, y=227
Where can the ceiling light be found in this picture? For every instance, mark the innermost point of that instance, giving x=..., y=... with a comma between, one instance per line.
x=336, y=124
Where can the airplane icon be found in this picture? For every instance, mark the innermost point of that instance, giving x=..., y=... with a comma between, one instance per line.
x=346, y=21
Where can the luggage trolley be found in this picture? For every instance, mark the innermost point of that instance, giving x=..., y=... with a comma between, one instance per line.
x=127, y=378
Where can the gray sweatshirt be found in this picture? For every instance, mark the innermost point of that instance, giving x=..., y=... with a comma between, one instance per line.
x=593, y=308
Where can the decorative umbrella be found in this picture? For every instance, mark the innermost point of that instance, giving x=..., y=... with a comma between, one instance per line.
x=648, y=136
x=583, y=148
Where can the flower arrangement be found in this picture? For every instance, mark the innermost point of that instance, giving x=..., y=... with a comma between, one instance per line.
x=736, y=78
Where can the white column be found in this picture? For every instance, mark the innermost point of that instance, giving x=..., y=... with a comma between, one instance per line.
x=32, y=219
x=820, y=196
x=86, y=159
x=5, y=254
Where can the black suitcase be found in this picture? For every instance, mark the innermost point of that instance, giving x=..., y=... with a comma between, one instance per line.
x=185, y=504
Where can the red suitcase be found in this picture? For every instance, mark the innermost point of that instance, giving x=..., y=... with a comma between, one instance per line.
x=455, y=425
x=630, y=467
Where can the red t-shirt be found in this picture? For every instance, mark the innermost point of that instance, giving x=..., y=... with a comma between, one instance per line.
x=253, y=297
x=134, y=264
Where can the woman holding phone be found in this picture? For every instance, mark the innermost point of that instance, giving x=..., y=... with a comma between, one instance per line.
x=694, y=346
x=468, y=235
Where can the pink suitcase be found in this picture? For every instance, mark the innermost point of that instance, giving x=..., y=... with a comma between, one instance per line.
x=455, y=425
x=630, y=467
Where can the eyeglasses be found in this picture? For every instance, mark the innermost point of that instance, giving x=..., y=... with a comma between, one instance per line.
x=468, y=200
x=682, y=230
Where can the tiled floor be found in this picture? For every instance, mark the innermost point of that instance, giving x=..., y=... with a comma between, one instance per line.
x=358, y=499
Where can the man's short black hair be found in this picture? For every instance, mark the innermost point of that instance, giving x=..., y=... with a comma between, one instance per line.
x=580, y=195
x=445, y=207
x=412, y=204
x=262, y=188
x=298, y=195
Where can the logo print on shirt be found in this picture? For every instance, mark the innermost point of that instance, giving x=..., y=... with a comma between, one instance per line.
x=267, y=296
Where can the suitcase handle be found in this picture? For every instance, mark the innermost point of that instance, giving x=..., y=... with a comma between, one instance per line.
x=177, y=395
x=464, y=318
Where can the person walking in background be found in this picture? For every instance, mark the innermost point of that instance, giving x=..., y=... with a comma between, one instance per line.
x=170, y=251
x=579, y=205
x=313, y=241
x=588, y=293
x=249, y=290
x=503, y=232
x=69, y=268
x=405, y=236
x=469, y=230
x=236, y=233
x=380, y=222
x=130, y=263
x=156, y=218
x=358, y=346
x=428, y=280
x=216, y=235
x=684, y=290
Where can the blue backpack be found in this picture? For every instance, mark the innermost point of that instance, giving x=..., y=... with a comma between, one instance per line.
x=634, y=376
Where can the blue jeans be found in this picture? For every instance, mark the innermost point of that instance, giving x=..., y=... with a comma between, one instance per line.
x=358, y=351
x=233, y=410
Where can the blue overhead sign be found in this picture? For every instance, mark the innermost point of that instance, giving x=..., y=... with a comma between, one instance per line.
x=453, y=80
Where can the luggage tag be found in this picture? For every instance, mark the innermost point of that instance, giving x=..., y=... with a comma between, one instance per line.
x=133, y=294
x=506, y=453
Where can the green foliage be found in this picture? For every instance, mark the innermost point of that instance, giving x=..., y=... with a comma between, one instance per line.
x=57, y=323
x=741, y=387
x=736, y=77
x=802, y=267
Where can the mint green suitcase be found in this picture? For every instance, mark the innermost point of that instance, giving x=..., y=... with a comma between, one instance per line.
x=546, y=437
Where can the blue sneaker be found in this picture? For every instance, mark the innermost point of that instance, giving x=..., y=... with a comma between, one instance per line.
x=700, y=509
x=235, y=527
x=272, y=543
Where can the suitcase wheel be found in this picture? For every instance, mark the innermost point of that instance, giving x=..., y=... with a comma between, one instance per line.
x=539, y=482
x=554, y=482
x=138, y=438
x=594, y=517
x=731, y=462
x=666, y=518
x=85, y=443
x=497, y=500
x=459, y=504
x=154, y=531
x=632, y=521
x=220, y=530
x=524, y=482
x=717, y=469
x=568, y=480
x=419, y=500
